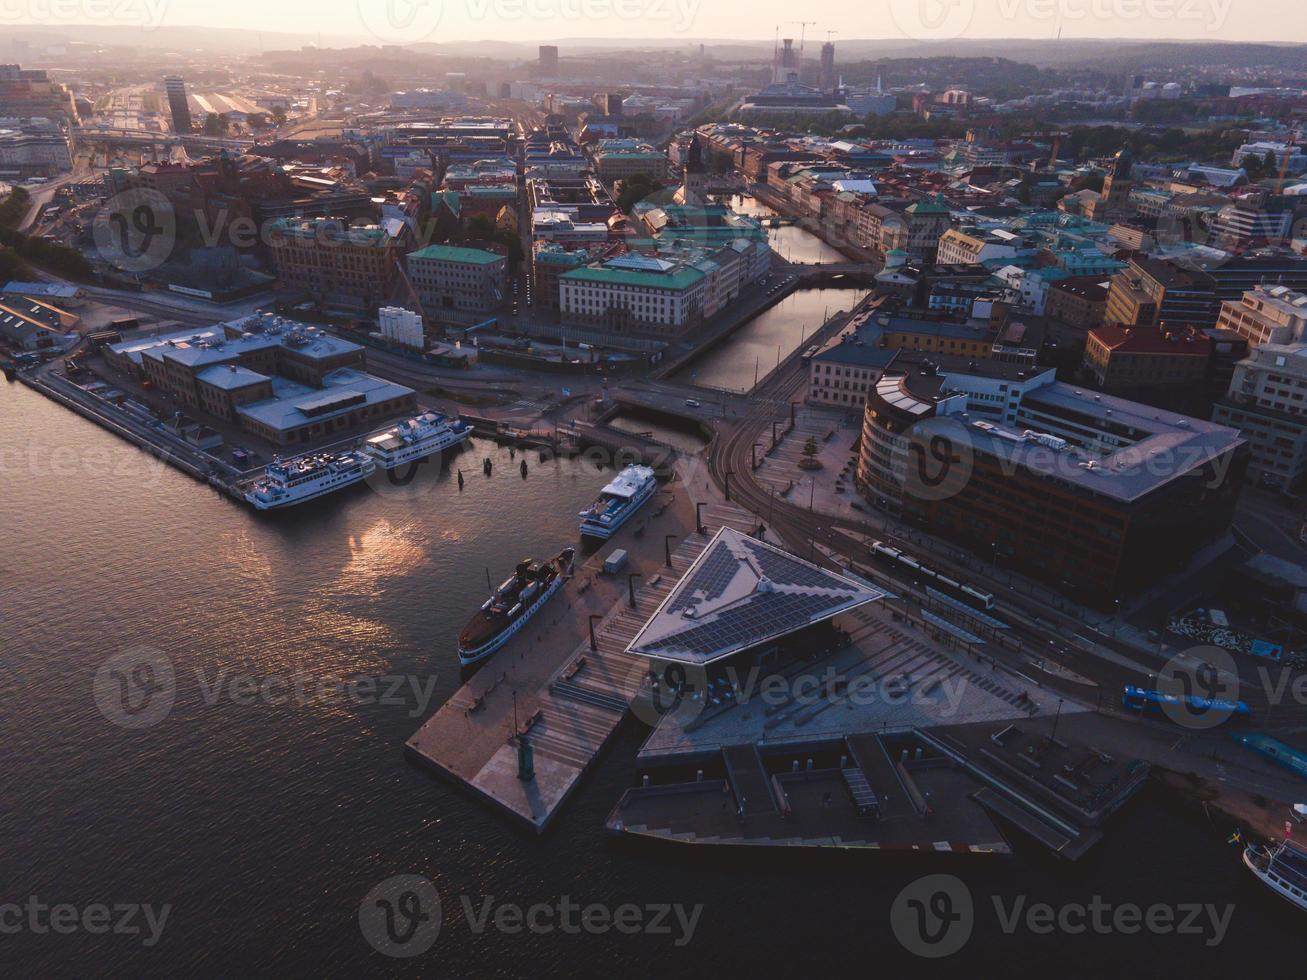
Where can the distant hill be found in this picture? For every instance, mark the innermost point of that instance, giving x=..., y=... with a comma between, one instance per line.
x=1106, y=55
x=233, y=39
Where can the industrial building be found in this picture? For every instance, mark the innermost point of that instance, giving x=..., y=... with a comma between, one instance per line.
x=286, y=382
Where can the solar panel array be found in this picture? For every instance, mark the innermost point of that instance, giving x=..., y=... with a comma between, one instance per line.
x=787, y=571
x=715, y=574
x=766, y=614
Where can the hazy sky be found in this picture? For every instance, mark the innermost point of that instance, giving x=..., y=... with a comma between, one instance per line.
x=531, y=21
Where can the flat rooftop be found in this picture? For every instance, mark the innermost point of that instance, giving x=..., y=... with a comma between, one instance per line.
x=1168, y=445
x=222, y=341
x=293, y=405
x=1105, y=444
x=741, y=592
x=230, y=377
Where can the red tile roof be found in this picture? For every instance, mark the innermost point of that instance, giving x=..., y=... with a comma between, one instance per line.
x=1153, y=340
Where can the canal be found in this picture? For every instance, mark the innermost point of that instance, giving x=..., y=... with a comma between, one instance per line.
x=758, y=346
x=790, y=242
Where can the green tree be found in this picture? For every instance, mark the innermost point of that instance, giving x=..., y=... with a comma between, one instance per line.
x=14, y=208
x=279, y=115
x=479, y=227
x=216, y=124
x=635, y=188
x=12, y=266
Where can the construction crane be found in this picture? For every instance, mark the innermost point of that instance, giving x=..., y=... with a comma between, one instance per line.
x=803, y=27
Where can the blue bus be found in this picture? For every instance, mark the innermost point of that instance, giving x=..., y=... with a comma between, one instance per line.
x=1139, y=699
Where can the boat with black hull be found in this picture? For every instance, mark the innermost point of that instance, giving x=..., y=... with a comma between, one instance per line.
x=508, y=609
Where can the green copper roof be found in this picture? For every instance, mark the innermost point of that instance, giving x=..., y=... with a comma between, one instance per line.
x=628, y=277
x=453, y=253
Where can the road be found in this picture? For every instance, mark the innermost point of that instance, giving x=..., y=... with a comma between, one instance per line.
x=1269, y=522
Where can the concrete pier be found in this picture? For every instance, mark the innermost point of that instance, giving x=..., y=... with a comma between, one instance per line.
x=564, y=697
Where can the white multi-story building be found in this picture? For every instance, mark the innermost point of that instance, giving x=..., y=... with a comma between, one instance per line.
x=970, y=246
x=1266, y=315
x=1267, y=402
x=635, y=294
x=1288, y=158
x=33, y=147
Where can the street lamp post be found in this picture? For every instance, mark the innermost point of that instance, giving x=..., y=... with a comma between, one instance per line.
x=667, y=548
x=594, y=645
x=630, y=585
x=698, y=518
x=1056, y=717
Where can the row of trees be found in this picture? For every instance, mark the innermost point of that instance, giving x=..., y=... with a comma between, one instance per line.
x=18, y=250
x=14, y=208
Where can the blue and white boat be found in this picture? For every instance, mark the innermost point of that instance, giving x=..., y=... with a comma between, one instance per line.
x=618, y=502
x=286, y=482
x=415, y=439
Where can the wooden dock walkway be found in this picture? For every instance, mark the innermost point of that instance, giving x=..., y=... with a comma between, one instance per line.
x=567, y=698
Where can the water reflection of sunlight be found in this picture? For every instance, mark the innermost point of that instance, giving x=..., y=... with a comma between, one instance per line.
x=382, y=551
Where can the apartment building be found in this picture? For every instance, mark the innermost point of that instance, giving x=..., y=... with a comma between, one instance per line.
x=1267, y=402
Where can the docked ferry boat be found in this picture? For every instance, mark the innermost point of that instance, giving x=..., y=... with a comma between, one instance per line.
x=516, y=600
x=286, y=482
x=618, y=502
x=415, y=439
x=1282, y=868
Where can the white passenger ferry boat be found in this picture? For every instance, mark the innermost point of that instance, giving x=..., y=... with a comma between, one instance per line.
x=416, y=438
x=618, y=501
x=1282, y=869
x=286, y=482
